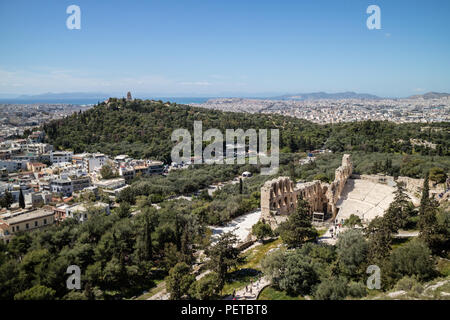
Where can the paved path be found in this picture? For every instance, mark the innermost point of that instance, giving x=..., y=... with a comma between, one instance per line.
x=327, y=238
x=164, y=295
x=161, y=295
x=251, y=291
x=240, y=226
x=406, y=234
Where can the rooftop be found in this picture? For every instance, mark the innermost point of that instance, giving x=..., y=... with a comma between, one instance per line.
x=29, y=216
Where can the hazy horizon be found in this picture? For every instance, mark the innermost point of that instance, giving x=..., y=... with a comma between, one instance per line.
x=141, y=95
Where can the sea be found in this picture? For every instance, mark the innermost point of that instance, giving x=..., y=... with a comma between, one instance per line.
x=93, y=101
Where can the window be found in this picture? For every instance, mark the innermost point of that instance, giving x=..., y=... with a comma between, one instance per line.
x=17, y=228
x=35, y=223
x=27, y=226
x=45, y=221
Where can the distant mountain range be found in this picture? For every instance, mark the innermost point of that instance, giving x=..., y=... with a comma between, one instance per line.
x=324, y=95
x=65, y=95
x=351, y=95
x=99, y=96
x=430, y=95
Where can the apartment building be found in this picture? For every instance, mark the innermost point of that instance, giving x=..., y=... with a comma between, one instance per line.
x=36, y=199
x=26, y=222
x=35, y=166
x=38, y=148
x=36, y=136
x=80, y=158
x=13, y=165
x=62, y=186
x=61, y=156
x=155, y=167
x=127, y=173
x=80, y=182
x=95, y=162
x=112, y=186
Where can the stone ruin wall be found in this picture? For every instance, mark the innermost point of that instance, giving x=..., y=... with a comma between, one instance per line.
x=341, y=176
x=279, y=196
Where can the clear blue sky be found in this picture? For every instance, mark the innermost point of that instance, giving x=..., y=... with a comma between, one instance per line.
x=227, y=47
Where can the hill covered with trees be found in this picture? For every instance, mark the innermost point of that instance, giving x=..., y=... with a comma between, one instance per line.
x=143, y=129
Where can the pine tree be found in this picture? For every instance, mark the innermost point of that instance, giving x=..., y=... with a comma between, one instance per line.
x=399, y=210
x=380, y=240
x=428, y=223
x=7, y=200
x=147, y=252
x=298, y=228
x=223, y=256
x=179, y=281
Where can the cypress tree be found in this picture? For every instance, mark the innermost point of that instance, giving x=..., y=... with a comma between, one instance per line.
x=21, y=200
x=424, y=201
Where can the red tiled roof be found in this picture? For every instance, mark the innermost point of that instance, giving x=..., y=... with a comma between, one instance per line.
x=68, y=199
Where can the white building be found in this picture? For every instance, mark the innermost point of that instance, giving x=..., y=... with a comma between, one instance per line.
x=39, y=148
x=13, y=165
x=80, y=211
x=61, y=156
x=112, y=186
x=62, y=186
x=95, y=162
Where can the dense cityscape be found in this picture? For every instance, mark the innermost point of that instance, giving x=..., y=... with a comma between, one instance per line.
x=16, y=118
x=323, y=111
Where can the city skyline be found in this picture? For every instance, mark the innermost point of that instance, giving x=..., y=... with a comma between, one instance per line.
x=224, y=48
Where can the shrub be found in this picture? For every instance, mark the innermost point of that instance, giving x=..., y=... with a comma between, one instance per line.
x=334, y=289
x=352, y=250
x=409, y=284
x=299, y=275
x=36, y=293
x=357, y=289
x=414, y=258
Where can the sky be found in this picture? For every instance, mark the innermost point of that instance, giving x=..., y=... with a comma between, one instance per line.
x=224, y=48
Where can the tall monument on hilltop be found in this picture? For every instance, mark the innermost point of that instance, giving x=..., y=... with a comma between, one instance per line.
x=129, y=96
